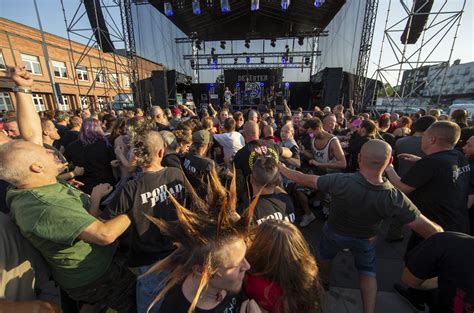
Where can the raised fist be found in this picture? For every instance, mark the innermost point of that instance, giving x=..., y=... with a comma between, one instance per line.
x=21, y=77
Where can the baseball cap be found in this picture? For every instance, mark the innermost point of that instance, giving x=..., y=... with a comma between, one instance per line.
x=201, y=137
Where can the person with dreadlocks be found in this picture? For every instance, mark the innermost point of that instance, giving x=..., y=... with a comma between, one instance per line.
x=206, y=271
x=149, y=194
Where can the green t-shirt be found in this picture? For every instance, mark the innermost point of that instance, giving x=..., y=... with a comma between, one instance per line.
x=358, y=207
x=52, y=217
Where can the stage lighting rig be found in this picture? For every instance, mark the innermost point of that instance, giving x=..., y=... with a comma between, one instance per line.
x=285, y=4
x=273, y=43
x=223, y=45
x=168, y=8
x=197, y=7
x=198, y=44
x=319, y=3
x=306, y=60
x=247, y=43
x=236, y=60
x=262, y=60
x=193, y=64
x=254, y=5
x=300, y=41
x=209, y=61
x=225, y=6
x=247, y=60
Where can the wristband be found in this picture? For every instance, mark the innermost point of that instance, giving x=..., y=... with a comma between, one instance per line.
x=22, y=90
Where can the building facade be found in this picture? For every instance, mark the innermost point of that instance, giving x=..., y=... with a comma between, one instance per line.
x=83, y=78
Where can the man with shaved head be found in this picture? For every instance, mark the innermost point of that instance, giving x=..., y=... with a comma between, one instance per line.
x=360, y=201
x=149, y=195
x=438, y=184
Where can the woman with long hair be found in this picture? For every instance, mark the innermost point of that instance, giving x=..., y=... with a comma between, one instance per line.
x=93, y=152
x=403, y=127
x=283, y=275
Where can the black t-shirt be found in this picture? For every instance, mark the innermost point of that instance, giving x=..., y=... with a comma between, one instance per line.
x=62, y=130
x=245, y=157
x=277, y=206
x=450, y=257
x=171, y=160
x=176, y=302
x=70, y=136
x=442, y=186
x=197, y=168
x=355, y=145
x=3, y=197
x=149, y=194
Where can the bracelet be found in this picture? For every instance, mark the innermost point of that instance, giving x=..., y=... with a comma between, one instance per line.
x=22, y=90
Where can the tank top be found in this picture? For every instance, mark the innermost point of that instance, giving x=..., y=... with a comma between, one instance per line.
x=322, y=155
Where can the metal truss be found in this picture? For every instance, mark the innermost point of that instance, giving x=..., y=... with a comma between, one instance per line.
x=119, y=33
x=252, y=55
x=443, y=24
x=227, y=66
x=367, y=35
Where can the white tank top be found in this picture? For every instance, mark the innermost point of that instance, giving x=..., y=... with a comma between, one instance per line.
x=322, y=155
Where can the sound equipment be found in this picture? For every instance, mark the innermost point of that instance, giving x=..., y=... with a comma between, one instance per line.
x=98, y=24
x=159, y=92
x=417, y=21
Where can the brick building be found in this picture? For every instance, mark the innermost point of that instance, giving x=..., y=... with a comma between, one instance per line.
x=95, y=82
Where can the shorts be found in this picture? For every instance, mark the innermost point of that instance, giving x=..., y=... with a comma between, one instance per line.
x=362, y=249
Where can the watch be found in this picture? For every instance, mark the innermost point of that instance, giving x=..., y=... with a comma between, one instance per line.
x=23, y=90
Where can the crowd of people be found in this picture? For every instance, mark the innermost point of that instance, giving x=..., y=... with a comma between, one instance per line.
x=172, y=211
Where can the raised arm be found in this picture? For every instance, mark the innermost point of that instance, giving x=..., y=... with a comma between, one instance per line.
x=310, y=181
x=28, y=120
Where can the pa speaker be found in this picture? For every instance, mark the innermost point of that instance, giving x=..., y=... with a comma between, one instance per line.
x=97, y=21
x=417, y=21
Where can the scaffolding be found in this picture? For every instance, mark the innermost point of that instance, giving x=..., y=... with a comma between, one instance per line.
x=121, y=35
x=442, y=24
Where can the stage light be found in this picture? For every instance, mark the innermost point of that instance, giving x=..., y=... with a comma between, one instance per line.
x=254, y=5
x=319, y=3
x=168, y=8
x=287, y=85
x=262, y=84
x=193, y=64
x=225, y=6
x=262, y=60
x=291, y=59
x=273, y=43
x=306, y=60
x=300, y=41
x=247, y=60
x=208, y=61
x=283, y=60
x=197, y=7
x=285, y=4
x=236, y=60
x=213, y=51
x=247, y=44
x=223, y=45
x=237, y=85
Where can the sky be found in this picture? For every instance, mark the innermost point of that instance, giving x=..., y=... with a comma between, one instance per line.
x=22, y=11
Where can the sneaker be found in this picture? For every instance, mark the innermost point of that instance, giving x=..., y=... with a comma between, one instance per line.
x=405, y=294
x=307, y=219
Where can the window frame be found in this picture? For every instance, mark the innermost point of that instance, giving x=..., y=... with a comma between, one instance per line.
x=36, y=98
x=3, y=65
x=62, y=66
x=80, y=71
x=4, y=105
x=31, y=64
x=65, y=106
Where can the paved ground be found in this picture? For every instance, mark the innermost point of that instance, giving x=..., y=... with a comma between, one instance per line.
x=344, y=294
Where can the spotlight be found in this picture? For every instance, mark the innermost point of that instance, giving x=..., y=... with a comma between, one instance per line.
x=285, y=4
x=262, y=60
x=300, y=41
x=247, y=60
x=319, y=3
x=291, y=59
x=235, y=61
x=306, y=60
x=273, y=43
x=223, y=45
x=225, y=6
x=213, y=51
x=255, y=5
x=214, y=60
x=197, y=7
x=168, y=8
x=208, y=61
x=247, y=44
x=283, y=60
x=287, y=85
x=193, y=64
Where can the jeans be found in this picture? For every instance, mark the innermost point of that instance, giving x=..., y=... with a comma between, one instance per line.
x=148, y=287
x=362, y=249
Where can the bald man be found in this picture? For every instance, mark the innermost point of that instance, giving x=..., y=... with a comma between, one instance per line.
x=354, y=220
x=53, y=216
x=245, y=157
x=149, y=195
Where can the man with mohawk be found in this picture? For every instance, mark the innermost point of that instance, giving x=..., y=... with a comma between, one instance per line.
x=207, y=269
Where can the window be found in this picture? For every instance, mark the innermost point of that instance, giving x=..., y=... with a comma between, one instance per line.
x=38, y=101
x=114, y=77
x=59, y=69
x=126, y=80
x=31, y=63
x=85, y=102
x=102, y=101
x=81, y=72
x=100, y=76
x=2, y=62
x=65, y=105
x=5, y=102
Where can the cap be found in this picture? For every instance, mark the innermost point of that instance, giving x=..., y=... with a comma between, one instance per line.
x=176, y=111
x=201, y=137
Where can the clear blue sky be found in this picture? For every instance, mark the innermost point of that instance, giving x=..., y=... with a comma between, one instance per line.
x=22, y=11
